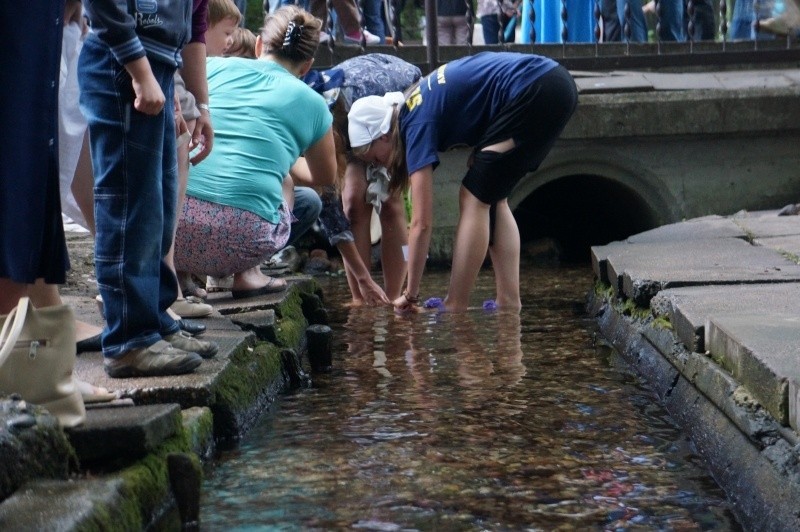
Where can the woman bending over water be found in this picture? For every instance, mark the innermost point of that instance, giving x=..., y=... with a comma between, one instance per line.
x=510, y=108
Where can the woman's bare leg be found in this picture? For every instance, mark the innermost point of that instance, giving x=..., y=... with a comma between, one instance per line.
x=469, y=249
x=83, y=184
x=46, y=295
x=504, y=252
x=183, y=181
x=394, y=235
x=10, y=292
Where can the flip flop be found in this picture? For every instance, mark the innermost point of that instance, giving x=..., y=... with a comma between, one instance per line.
x=272, y=286
x=94, y=394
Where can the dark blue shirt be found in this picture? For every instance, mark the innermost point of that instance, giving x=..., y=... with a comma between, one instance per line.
x=456, y=103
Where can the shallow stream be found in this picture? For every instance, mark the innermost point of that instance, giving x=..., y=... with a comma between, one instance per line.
x=474, y=421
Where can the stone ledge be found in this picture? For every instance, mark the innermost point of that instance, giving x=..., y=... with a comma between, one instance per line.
x=752, y=458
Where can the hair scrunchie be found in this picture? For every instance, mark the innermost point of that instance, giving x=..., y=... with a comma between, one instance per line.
x=292, y=36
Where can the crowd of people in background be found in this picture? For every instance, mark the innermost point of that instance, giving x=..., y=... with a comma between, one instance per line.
x=173, y=137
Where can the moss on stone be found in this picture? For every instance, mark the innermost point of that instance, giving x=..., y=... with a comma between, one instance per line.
x=254, y=369
x=291, y=324
x=144, y=490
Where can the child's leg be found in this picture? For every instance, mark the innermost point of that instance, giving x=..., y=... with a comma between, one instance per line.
x=469, y=249
x=504, y=252
x=394, y=232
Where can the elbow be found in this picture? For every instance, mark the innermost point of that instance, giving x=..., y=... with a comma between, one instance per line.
x=421, y=225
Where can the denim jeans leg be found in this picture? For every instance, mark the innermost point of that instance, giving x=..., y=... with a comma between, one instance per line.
x=373, y=18
x=672, y=21
x=638, y=26
x=133, y=156
x=307, y=206
x=490, y=24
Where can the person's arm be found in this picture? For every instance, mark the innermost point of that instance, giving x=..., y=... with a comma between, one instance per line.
x=301, y=174
x=150, y=98
x=321, y=160
x=370, y=291
x=194, y=75
x=419, y=236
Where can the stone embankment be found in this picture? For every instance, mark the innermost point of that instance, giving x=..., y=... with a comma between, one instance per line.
x=137, y=463
x=708, y=311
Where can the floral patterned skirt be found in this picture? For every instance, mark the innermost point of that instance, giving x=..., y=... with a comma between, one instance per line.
x=218, y=240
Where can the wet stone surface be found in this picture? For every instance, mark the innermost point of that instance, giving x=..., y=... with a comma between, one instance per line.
x=474, y=421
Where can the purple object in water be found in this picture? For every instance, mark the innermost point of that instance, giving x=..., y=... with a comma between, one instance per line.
x=433, y=302
x=490, y=304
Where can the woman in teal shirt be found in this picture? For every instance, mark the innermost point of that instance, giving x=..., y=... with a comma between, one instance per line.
x=265, y=118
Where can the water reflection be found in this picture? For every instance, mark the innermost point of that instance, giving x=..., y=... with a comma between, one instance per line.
x=480, y=420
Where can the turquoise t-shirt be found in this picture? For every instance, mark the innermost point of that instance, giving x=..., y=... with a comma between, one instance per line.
x=264, y=118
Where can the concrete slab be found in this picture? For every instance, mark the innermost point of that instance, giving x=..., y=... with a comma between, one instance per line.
x=696, y=229
x=689, y=308
x=193, y=389
x=685, y=81
x=632, y=82
x=794, y=403
x=770, y=225
x=762, y=353
x=64, y=505
x=123, y=433
x=782, y=244
x=600, y=261
x=753, y=79
x=640, y=271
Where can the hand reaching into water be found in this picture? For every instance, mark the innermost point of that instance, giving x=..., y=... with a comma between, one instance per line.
x=406, y=304
x=371, y=292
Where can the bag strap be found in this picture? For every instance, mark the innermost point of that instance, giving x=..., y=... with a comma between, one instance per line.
x=10, y=333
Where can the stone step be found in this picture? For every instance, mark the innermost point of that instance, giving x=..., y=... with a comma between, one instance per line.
x=762, y=353
x=689, y=308
x=121, y=434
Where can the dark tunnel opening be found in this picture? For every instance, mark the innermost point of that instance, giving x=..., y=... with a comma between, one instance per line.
x=573, y=213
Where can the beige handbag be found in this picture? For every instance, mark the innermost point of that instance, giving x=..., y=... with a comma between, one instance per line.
x=37, y=356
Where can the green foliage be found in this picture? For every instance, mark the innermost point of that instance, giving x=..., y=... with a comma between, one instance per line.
x=254, y=16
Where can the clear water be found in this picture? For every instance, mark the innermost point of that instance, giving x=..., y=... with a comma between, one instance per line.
x=475, y=421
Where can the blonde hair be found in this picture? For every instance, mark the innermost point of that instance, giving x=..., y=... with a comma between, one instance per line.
x=243, y=44
x=292, y=33
x=219, y=10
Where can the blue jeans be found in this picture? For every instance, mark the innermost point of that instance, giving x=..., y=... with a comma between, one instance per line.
x=490, y=24
x=741, y=27
x=307, y=206
x=135, y=192
x=373, y=18
x=614, y=23
x=672, y=20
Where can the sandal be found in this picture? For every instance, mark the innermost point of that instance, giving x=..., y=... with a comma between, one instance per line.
x=94, y=394
x=273, y=285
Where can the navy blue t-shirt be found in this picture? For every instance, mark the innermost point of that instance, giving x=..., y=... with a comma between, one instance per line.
x=455, y=104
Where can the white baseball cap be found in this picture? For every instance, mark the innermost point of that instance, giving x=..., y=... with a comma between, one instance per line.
x=370, y=117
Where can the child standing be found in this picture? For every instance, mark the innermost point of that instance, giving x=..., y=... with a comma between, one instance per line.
x=126, y=71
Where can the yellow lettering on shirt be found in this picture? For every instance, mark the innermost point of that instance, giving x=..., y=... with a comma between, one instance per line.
x=440, y=75
x=414, y=99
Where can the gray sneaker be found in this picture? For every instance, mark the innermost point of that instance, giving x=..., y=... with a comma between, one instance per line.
x=159, y=359
x=186, y=342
